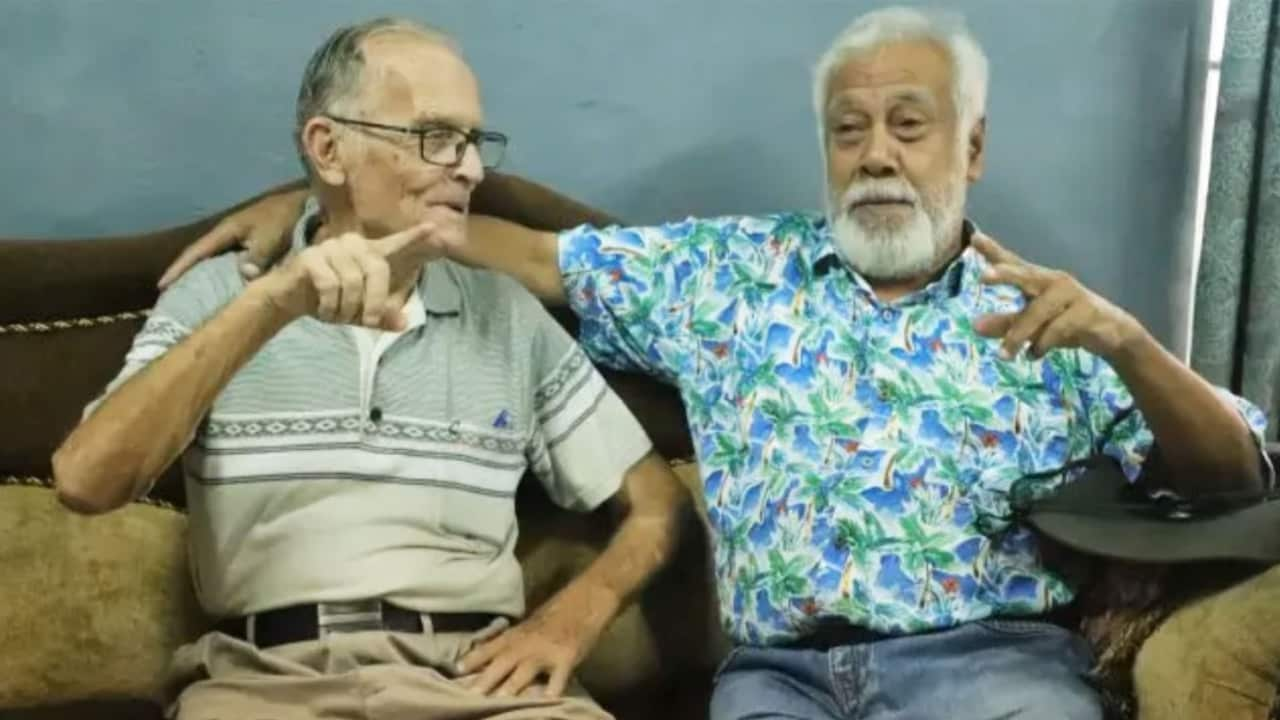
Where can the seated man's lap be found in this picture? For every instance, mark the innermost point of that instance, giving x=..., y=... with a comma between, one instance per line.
x=774, y=683
x=977, y=671
x=376, y=693
x=356, y=676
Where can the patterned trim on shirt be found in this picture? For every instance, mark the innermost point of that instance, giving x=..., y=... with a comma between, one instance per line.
x=345, y=423
x=574, y=370
x=361, y=477
x=159, y=334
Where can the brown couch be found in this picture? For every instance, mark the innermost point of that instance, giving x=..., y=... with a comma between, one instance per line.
x=68, y=310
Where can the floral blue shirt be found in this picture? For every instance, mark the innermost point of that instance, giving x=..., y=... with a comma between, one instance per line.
x=857, y=456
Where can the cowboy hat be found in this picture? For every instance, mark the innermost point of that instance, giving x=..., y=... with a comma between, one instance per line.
x=1102, y=513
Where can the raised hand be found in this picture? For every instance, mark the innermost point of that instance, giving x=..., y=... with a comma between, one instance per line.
x=1060, y=311
x=351, y=279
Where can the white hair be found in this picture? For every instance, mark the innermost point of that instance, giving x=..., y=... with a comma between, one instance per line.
x=970, y=71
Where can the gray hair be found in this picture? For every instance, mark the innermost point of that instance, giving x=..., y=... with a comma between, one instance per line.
x=332, y=77
x=895, y=24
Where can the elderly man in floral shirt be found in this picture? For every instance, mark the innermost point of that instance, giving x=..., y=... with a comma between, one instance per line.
x=866, y=388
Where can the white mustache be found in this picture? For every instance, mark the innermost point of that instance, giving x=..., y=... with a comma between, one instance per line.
x=878, y=191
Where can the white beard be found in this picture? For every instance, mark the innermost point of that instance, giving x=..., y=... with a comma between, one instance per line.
x=892, y=250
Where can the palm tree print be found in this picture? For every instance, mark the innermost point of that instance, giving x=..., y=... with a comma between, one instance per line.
x=816, y=494
x=860, y=443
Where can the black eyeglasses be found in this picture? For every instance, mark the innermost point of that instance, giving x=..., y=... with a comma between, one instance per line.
x=444, y=145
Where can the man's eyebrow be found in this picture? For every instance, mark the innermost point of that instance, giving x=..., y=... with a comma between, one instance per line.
x=841, y=103
x=916, y=96
x=435, y=119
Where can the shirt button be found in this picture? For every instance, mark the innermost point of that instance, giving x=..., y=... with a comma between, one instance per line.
x=888, y=315
x=376, y=414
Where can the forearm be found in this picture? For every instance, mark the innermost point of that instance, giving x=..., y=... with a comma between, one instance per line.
x=142, y=427
x=1205, y=444
x=644, y=542
x=529, y=256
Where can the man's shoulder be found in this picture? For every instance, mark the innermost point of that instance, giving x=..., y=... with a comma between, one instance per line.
x=210, y=283
x=488, y=292
x=788, y=221
x=799, y=221
x=482, y=283
x=693, y=239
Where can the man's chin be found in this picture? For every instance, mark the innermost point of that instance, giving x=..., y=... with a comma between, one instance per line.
x=878, y=275
x=879, y=228
x=884, y=215
x=885, y=257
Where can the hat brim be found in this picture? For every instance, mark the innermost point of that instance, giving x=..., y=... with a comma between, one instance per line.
x=1089, y=515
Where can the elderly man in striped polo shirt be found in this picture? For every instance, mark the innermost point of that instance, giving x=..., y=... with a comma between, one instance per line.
x=353, y=426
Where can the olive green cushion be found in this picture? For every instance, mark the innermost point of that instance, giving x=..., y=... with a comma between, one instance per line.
x=90, y=607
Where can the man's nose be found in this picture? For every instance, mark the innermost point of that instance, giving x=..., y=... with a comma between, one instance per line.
x=470, y=169
x=880, y=159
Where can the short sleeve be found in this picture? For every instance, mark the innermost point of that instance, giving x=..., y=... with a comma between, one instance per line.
x=584, y=438
x=636, y=290
x=185, y=306
x=1119, y=428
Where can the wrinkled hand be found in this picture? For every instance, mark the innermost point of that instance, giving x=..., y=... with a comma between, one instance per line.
x=551, y=643
x=263, y=230
x=1060, y=312
x=349, y=278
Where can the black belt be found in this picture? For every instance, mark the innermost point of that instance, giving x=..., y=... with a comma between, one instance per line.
x=299, y=623
x=831, y=634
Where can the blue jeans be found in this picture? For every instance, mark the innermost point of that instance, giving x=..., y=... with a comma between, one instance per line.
x=988, y=670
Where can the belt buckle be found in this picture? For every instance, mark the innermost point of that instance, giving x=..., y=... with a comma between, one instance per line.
x=348, y=616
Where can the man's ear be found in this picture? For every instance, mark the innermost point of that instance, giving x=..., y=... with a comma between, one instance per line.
x=321, y=140
x=977, y=151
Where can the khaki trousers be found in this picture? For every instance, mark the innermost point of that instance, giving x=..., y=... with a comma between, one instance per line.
x=350, y=676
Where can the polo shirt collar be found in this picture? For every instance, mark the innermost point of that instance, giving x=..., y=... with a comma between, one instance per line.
x=438, y=288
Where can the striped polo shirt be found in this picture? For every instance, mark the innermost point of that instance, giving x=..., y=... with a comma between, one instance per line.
x=343, y=463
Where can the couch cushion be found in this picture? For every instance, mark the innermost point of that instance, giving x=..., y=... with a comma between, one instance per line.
x=90, y=607
x=1217, y=656
x=89, y=710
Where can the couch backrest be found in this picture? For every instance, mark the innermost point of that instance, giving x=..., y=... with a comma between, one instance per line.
x=69, y=309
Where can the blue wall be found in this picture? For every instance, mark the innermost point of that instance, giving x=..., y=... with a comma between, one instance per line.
x=130, y=115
